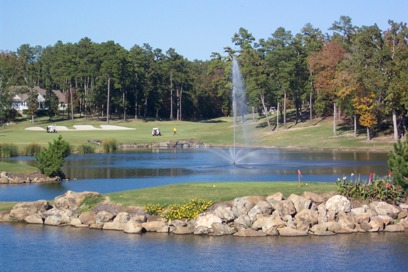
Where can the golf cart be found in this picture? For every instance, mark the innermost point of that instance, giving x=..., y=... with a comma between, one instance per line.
x=156, y=132
x=51, y=129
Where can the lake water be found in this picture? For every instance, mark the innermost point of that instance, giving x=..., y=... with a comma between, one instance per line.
x=106, y=173
x=45, y=248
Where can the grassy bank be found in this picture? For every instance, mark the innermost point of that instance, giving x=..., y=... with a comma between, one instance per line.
x=214, y=191
x=317, y=134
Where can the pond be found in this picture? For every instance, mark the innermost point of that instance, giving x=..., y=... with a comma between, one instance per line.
x=107, y=173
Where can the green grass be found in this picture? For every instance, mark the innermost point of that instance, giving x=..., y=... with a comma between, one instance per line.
x=7, y=206
x=214, y=191
x=17, y=168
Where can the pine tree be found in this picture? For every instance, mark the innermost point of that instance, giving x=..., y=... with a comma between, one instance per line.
x=398, y=163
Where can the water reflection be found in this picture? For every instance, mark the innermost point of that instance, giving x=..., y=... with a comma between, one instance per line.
x=125, y=171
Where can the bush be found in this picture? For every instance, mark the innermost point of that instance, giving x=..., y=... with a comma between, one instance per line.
x=51, y=159
x=32, y=149
x=109, y=145
x=398, y=163
x=187, y=210
x=86, y=149
x=8, y=150
x=381, y=189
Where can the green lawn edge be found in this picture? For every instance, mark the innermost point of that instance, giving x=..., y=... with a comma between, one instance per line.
x=214, y=191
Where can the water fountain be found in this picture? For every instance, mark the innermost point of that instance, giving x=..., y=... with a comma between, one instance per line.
x=238, y=152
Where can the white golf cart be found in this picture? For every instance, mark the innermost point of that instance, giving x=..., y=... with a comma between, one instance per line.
x=51, y=129
x=156, y=132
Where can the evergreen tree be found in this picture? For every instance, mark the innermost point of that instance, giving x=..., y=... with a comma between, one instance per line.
x=51, y=159
x=398, y=163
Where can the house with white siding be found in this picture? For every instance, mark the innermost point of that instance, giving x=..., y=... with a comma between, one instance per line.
x=20, y=99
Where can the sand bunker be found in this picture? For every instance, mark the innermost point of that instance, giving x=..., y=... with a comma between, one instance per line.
x=82, y=128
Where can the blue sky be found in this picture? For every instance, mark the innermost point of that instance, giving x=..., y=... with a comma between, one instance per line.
x=194, y=29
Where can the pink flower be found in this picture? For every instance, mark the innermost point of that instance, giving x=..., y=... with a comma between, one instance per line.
x=388, y=186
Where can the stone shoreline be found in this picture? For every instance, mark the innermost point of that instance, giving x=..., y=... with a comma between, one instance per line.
x=6, y=178
x=250, y=216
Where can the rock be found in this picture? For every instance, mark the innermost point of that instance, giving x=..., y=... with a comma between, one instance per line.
x=225, y=213
x=323, y=233
x=97, y=225
x=276, y=197
x=285, y=207
x=156, y=226
x=182, y=230
x=242, y=221
x=305, y=219
x=221, y=229
x=34, y=219
x=322, y=214
x=71, y=200
x=21, y=210
x=403, y=206
x=206, y=220
x=337, y=204
x=376, y=224
x=242, y=205
x=383, y=208
x=3, y=175
x=103, y=216
x=315, y=198
x=261, y=208
x=4, y=180
x=271, y=232
x=346, y=220
x=249, y=233
x=201, y=230
x=395, y=228
x=133, y=226
x=267, y=222
x=358, y=211
x=403, y=214
x=4, y=216
x=119, y=222
x=299, y=202
x=286, y=231
x=365, y=225
x=88, y=218
x=178, y=223
x=53, y=220
x=360, y=218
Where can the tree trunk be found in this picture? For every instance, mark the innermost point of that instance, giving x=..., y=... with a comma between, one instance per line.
x=107, y=104
x=124, y=107
x=284, y=110
x=171, y=97
x=355, y=125
x=277, y=116
x=311, y=100
x=334, y=119
x=262, y=96
x=136, y=104
x=394, y=124
x=72, y=102
x=180, y=104
x=368, y=134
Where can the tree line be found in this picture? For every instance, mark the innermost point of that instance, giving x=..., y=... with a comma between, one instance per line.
x=357, y=72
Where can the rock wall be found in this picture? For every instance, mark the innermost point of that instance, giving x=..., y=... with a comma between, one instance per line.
x=298, y=215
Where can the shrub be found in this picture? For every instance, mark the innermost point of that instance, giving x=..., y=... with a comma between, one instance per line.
x=32, y=149
x=187, y=210
x=154, y=209
x=398, y=163
x=86, y=149
x=382, y=189
x=51, y=159
x=8, y=150
x=109, y=145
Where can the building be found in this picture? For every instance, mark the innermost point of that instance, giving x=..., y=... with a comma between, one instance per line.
x=20, y=99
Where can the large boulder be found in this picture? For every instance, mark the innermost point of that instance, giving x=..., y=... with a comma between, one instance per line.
x=34, y=219
x=118, y=223
x=383, y=208
x=305, y=219
x=133, y=226
x=242, y=221
x=299, y=202
x=249, y=233
x=290, y=232
x=88, y=218
x=261, y=208
x=337, y=204
x=265, y=223
x=285, y=207
x=219, y=229
x=206, y=220
x=156, y=226
x=315, y=198
x=103, y=217
x=21, y=210
x=225, y=213
x=242, y=205
x=72, y=200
